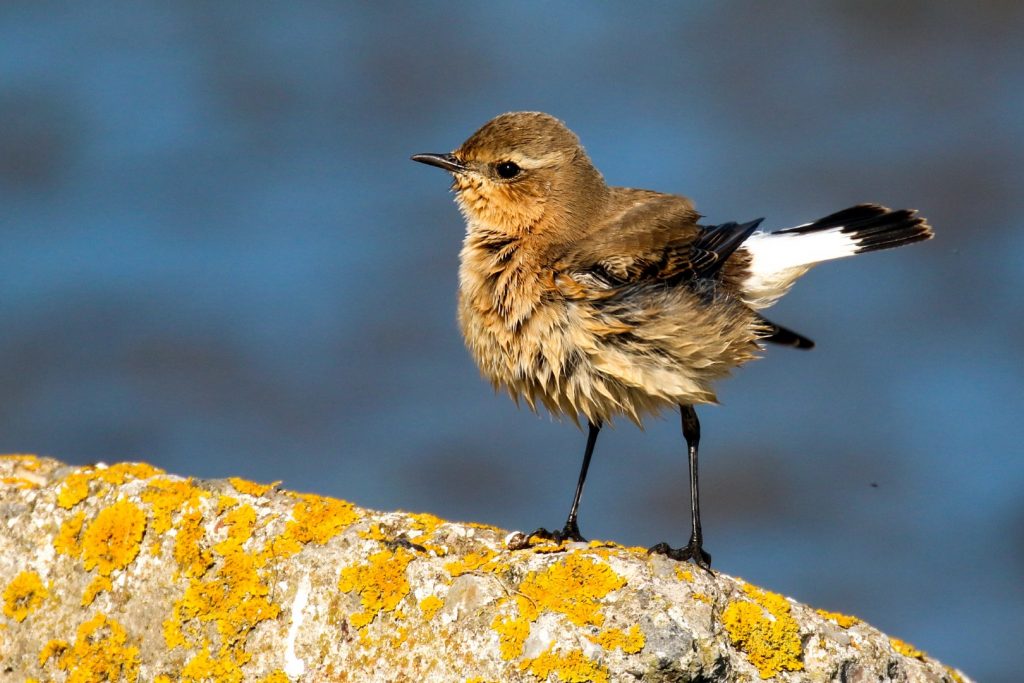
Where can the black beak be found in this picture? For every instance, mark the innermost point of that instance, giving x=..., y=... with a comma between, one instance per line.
x=448, y=162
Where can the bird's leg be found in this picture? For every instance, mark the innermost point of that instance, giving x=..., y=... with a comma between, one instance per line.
x=694, y=549
x=571, y=530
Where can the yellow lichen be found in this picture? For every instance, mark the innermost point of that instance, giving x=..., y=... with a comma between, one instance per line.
x=76, y=485
x=764, y=629
x=25, y=461
x=251, y=488
x=100, y=653
x=276, y=677
x=74, y=489
x=95, y=587
x=113, y=539
x=844, y=620
x=684, y=574
x=629, y=641
x=192, y=558
x=167, y=497
x=374, y=533
x=573, y=587
x=702, y=597
x=429, y=606
x=906, y=649
x=66, y=541
x=380, y=582
x=123, y=471
x=54, y=648
x=570, y=667
x=512, y=632
x=315, y=519
x=23, y=595
x=240, y=523
x=481, y=560
x=954, y=674
x=20, y=483
x=233, y=599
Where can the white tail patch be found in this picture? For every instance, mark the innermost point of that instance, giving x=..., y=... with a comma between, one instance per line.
x=778, y=259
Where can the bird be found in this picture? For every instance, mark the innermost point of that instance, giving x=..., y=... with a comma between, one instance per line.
x=601, y=302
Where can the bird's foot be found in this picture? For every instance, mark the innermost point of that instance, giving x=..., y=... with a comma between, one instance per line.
x=521, y=541
x=691, y=551
x=570, y=532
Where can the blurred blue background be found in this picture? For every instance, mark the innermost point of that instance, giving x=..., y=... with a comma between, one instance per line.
x=217, y=257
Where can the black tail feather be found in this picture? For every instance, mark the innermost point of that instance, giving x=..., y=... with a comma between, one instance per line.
x=872, y=227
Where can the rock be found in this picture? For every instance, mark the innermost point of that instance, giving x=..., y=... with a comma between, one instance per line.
x=125, y=573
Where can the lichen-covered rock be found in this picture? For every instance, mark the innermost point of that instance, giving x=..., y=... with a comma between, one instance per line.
x=124, y=573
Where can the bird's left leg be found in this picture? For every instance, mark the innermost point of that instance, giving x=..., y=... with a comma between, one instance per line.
x=694, y=549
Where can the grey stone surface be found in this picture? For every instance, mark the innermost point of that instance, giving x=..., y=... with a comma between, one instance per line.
x=124, y=573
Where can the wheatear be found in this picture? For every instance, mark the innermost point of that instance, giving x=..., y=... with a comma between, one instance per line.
x=601, y=301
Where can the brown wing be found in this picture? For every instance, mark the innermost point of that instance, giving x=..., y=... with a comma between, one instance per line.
x=651, y=238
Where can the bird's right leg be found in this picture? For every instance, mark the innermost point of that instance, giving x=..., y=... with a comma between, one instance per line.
x=571, y=530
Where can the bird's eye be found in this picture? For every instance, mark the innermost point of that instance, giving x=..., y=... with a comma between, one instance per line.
x=507, y=169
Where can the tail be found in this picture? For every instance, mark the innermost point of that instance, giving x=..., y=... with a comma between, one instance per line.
x=777, y=259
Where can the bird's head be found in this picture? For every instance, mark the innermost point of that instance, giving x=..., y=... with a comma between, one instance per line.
x=522, y=172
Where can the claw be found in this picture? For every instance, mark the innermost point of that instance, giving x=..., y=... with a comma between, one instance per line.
x=691, y=551
x=570, y=532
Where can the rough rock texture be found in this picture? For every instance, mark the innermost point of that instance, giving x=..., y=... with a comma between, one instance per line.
x=124, y=573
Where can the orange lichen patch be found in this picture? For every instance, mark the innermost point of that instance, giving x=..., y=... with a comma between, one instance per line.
x=100, y=653
x=844, y=620
x=374, y=533
x=54, y=648
x=906, y=649
x=95, y=587
x=570, y=667
x=114, y=538
x=19, y=483
x=481, y=560
x=629, y=641
x=954, y=674
x=684, y=574
x=764, y=629
x=315, y=519
x=381, y=584
x=425, y=522
x=66, y=542
x=166, y=497
x=121, y=472
x=573, y=587
x=240, y=523
x=225, y=503
x=192, y=558
x=74, y=489
x=429, y=606
x=251, y=488
x=76, y=485
x=549, y=549
x=23, y=595
x=25, y=461
x=512, y=630
x=234, y=601
x=276, y=677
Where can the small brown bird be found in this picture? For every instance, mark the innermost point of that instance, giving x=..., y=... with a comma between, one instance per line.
x=601, y=301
